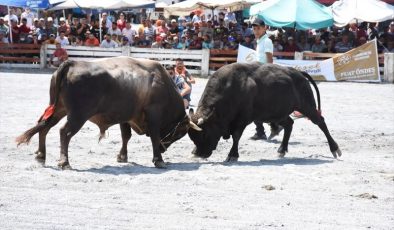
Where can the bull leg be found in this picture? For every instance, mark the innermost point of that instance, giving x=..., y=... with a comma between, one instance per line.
x=154, y=132
x=126, y=135
x=72, y=126
x=288, y=127
x=319, y=121
x=233, y=154
x=41, y=152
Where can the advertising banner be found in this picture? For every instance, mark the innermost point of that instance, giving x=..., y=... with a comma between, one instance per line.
x=359, y=64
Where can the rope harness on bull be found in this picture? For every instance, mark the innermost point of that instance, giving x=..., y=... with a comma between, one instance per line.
x=170, y=134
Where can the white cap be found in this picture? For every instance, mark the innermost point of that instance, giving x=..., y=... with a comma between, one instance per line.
x=62, y=19
x=49, y=19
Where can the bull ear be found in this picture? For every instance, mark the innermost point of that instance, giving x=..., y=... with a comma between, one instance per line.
x=194, y=126
x=191, y=112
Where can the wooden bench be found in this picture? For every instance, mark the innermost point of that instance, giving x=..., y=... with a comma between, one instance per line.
x=219, y=58
x=20, y=53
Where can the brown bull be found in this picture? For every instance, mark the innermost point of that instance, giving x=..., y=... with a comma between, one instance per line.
x=135, y=93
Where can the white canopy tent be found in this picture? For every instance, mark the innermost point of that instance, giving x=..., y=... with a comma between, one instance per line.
x=184, y=8
x=348, y=11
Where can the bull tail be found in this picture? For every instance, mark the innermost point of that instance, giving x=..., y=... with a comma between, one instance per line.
x=49, y=111
x=27, y=135
x=316, y=89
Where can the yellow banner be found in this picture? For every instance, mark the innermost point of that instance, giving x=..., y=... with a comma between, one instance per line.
x=360, y=63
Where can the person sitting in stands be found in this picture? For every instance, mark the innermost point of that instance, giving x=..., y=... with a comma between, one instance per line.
x=3, y=39
x=59, y=56
x=62, y=39
x=51, y=40
x=344, y=45
x=91, y=40
x=108, y=43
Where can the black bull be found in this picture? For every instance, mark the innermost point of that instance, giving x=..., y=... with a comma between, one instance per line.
x=238, y=94
x=135, y=93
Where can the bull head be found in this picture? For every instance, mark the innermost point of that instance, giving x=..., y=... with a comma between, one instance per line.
x=205, y=140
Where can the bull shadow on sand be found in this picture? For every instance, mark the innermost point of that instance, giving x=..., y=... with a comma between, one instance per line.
x=136, y=169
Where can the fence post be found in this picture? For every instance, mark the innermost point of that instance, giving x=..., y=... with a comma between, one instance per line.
x=204, y=62
x=388, y=68
x=125, y=51
x=43, y=56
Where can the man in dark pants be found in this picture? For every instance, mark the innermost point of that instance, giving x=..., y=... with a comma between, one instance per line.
x=264, y=53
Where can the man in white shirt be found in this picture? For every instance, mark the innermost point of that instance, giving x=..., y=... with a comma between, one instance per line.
x=62, y=39
x=108, y=42
x=114, y=29
x=29, y=16
x=11, y=16
x=264, y=52
x=129, y=32
x=106, y=20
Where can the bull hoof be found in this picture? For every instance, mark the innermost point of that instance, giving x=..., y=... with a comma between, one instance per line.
x=160, y=164
x=337, y=152
x=121, y=158
x=275, y=132
x=40, y=157
x=64, y=165
x=231, y=159
x=282, y=151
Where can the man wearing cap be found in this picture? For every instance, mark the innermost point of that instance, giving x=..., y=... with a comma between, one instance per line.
x=51, y=40
x=63, y=27
x=36, y=24
x=264, y=52
x=174, y=29
x=50, y=27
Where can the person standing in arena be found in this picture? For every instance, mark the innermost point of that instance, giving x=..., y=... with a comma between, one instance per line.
x=264, y=52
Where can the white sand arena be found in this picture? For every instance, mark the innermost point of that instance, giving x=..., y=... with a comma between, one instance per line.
x=308, y=189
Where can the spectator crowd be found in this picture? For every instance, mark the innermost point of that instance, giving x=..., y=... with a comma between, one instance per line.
x=198, y=31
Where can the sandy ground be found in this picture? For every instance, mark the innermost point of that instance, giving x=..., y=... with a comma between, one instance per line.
x=306, y=190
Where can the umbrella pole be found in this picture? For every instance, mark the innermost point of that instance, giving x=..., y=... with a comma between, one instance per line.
x=9, y=23
x=100, y=24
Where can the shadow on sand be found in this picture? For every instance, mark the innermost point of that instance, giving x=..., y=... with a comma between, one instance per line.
x=135, y=169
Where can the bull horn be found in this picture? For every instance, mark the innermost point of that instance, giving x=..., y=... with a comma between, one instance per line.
x=200, y=121
x=194, y=126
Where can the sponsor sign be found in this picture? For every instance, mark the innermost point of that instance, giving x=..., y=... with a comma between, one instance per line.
x=359, y=64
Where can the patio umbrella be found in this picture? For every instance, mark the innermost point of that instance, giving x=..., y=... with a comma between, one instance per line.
x=184, y=8
x=38, y=4
x=107, y=4
x=101, y=5
x=345, y=11
x=299, y=14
